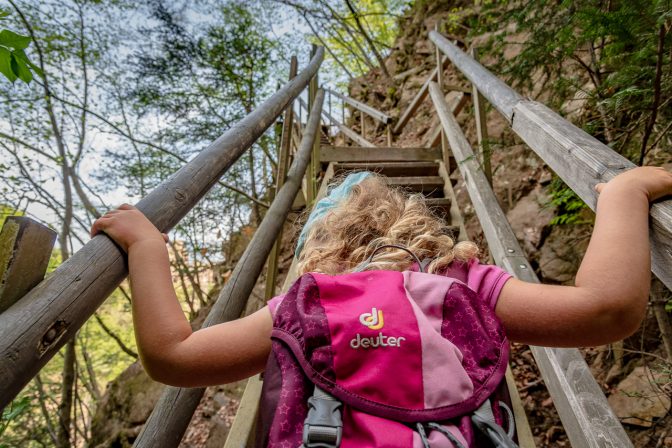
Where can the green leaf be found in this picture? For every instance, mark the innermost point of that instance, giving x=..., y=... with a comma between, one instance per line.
x=22, y=55
x=13, y=40
x=21, y=69
x=5, y=64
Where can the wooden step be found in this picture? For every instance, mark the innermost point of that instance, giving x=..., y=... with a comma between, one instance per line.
x=382, y=154
x=430, y=186
x=391, y=168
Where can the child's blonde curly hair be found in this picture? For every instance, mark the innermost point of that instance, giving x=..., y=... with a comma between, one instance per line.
x=375, y=214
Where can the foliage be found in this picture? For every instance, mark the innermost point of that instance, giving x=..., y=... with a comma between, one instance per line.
x=608, y=52
x=333, y=25
x=13, y=60
x=570, y=207
x=11, y=413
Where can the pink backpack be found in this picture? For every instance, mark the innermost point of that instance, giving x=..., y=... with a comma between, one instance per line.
x=385, y=359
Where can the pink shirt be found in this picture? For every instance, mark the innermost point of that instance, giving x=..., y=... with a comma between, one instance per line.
x=486, y=279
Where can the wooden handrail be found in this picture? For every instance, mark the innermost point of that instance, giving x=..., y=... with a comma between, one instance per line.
x=370, y=111
x=583, y=408
x=494, y=89
x=579, y=159
x=352, y=135
x=170, y=418
x=35, y=327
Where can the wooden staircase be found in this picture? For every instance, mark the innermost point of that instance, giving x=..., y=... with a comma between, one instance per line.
x=427, y=177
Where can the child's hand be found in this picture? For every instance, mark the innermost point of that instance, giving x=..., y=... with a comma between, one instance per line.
x=653, y=181
x=127, y=226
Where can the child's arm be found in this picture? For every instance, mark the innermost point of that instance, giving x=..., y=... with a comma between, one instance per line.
x=612, y=285
x=170, y=352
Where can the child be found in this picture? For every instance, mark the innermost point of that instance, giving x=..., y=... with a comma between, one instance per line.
x=606, y=304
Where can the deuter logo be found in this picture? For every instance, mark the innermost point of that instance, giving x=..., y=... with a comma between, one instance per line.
x=374, y=321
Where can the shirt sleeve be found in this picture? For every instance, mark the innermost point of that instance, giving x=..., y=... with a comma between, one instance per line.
x=487, y=280
x=274, y=303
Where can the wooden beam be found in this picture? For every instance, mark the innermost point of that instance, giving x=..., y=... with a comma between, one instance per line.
x=494, y=89
x=370, y=111
x=25, y=250
x=582, y=161
x=37, y=326
x=246, y=415
x=583, y=408
x=481, y=126
x=391, y=168
x=250, y=400
x=171, y=415
x=356, y=154
x=523, y=430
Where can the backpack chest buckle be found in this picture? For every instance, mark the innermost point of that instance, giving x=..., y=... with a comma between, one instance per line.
x=323, y=427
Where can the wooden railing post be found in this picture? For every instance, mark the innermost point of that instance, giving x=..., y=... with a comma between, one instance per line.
x=171, y=415
x=283, y=162
x=38, y=325
x=25, y=251
x=481, y=125
x=445, y=151
x=311, y=172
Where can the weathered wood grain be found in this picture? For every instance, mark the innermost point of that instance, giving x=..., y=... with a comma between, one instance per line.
x=391, y=168
x=494, y=89
x=35, y=327
x=370, y=111
x=358, y=154
x=583, y=408
x=246, y=415
x=170, y=418
x=582, y=161
x=25, y=250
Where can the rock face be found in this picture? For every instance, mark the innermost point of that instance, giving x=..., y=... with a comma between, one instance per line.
x=561, y=253
x=530, y=218
x=640, y=399
x=124, y=408
x=129, y=401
